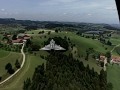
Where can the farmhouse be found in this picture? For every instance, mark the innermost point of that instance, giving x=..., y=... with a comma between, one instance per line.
x=17, y=41
x=115, y=59
x=20, y=39
x=102, y=61
x=102, y=58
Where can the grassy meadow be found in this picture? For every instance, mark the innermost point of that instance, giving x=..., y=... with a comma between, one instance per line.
x=32, y=61
x=16, y=83
x=113, y=76
x=11, y=57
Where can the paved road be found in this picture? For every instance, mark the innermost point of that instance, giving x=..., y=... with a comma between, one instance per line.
x=22, y=52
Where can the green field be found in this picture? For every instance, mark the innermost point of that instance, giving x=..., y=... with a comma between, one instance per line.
x=3, y=53
x=81, y=43
x=32, y=61
x=113, y=76
x=115, y=41
x=1, y=36
x=16, y=82
x=11, y=58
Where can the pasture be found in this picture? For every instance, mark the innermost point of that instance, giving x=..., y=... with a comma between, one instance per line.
x=81, y=43
x=3, y=53
x=10, y=58
x=16, y=83
x=32, y=61
x=113, y=76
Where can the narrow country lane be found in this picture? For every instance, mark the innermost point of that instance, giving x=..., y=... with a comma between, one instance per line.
x=114, y=48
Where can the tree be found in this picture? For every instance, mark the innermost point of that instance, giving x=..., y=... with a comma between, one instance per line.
x=34, y=47
x=49, y=32
x=109, y=86
x=14, y=37
x=9, y=68
x=42, y=32
x=17, y=64
x=27, y=84
x=108, y=55
x=87, y=54
x=28, y=43
x=109, y=43
x=103, y=79
x=63, y=72
x=56, y=31
x=45, y=36
x=93, y=37
x=102, y=64
x=0, y=78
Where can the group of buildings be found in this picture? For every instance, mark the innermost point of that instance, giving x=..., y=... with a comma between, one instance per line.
x=19, y=39
x=114, y=59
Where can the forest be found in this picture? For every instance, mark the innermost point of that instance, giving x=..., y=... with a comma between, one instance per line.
x=66, y=73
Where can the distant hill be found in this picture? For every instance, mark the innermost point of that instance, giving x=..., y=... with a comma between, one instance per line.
x=116, y=25
x=56, y=24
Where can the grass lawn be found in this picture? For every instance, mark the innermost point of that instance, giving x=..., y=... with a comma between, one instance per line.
x=113, y=76
x=32, y=61
x=1, y=36
x=3, y=53
x=81, y=43
x=92, y=64
x=11, y=58
x=115, y=41
x=16, y=83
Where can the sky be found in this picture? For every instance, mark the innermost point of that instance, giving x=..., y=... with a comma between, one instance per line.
x=92, y=11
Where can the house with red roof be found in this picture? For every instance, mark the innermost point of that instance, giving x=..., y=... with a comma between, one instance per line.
x=25, y=37
x=17, y=41
x=115, y=59
x=20, y=39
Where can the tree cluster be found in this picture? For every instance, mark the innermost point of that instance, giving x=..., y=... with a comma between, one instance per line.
x=65, y=73
x=41, y=32
x=9, y=68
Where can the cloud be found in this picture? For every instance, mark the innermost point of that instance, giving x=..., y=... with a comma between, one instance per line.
x=65, y=10
x=2, y=9
x=89, y=14
x=67, y=1
x=64, y=13
x=111, y=8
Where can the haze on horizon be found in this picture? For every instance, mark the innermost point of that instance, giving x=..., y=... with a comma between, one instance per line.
x=92, y=11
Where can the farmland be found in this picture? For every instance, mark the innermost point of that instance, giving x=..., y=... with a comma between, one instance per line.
x=81, y=44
